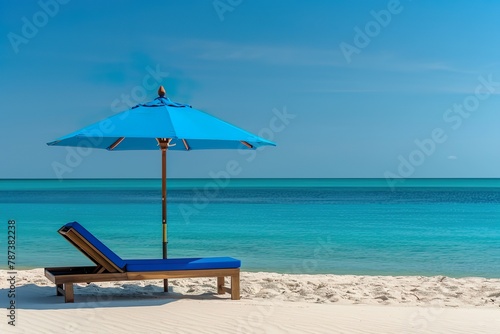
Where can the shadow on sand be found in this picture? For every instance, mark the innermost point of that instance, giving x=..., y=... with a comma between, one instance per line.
x=32, y=296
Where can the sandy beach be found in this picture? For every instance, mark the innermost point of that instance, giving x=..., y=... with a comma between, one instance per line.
x=270, y=303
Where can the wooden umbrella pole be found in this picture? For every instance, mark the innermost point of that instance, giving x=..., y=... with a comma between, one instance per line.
x=164, y=143
x=164, y=147
x=164, y=199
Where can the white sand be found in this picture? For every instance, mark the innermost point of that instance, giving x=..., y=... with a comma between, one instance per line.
x=271, y=303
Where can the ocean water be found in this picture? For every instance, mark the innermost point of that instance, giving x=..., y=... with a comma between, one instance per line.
x=340, y=226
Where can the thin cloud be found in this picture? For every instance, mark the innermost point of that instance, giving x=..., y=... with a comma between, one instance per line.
x=270, y=54
x=216, y=50
x=448, y=79
x=385, y=61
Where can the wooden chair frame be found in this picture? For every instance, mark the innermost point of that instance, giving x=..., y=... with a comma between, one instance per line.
x=106, y=271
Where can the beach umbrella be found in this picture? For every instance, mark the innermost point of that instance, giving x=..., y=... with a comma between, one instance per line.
x=162, y=125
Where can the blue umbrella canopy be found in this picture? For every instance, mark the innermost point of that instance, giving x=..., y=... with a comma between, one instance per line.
x=162, y=125
x=145, y=125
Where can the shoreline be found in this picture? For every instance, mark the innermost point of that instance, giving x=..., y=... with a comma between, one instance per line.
x=270, y=303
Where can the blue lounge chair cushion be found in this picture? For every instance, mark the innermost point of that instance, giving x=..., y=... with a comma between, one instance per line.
x=112, y=256
x=182, y=264
x=155, y=264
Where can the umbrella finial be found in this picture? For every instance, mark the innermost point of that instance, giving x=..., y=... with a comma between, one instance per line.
x=161, y=91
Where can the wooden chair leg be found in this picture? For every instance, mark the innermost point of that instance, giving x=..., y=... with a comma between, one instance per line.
x=165, y=285
x=59, y=290
x=69, y=296
x=235, y=286
x=220, y=285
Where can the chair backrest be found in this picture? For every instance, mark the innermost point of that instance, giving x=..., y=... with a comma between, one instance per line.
x=91, y=247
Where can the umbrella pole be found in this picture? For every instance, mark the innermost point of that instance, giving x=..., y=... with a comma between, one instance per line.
x=164, y=203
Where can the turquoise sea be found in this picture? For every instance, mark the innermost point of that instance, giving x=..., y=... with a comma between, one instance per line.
x=340, y=226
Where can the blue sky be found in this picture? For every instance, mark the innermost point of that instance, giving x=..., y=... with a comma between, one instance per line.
x=351, y=88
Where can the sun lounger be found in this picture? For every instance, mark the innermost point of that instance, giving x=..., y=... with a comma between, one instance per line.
x=110, y=267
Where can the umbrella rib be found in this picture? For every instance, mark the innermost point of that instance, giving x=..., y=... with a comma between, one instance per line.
x=246, y=144
x=186, y=145
x=116, y=143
